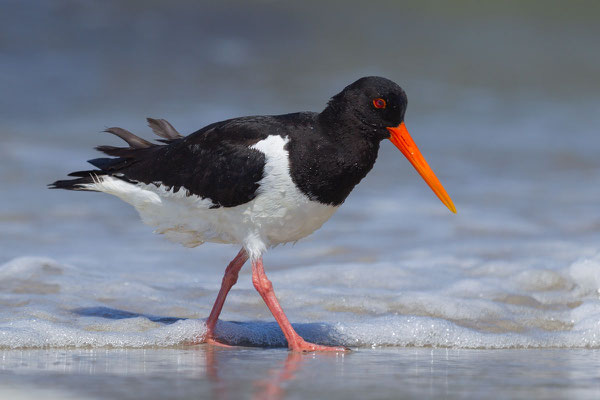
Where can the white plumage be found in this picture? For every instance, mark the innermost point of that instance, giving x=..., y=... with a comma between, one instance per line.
x=280, y=213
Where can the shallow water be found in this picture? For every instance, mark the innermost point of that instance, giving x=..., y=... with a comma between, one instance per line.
x=204, y=372
x=503, y=103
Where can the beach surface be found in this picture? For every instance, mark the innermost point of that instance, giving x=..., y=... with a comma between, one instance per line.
x=202, y=372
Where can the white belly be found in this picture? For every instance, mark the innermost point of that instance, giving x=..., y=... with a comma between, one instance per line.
x=280, y=213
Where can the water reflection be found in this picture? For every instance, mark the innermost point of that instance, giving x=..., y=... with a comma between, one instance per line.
x=222, y=371
x=271, y=381
x=250, y=373
x=273, y=386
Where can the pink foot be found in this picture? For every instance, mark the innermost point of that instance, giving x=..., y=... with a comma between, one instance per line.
x=214, y=342
x=209, y=341
x=307, y=347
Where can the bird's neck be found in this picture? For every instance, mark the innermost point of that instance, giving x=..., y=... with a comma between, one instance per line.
x=336, y=118
x=327, y=169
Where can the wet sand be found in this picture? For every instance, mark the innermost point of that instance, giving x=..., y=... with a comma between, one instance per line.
x=201, y=372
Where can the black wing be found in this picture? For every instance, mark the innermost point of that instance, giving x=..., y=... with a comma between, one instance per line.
x=215, y=162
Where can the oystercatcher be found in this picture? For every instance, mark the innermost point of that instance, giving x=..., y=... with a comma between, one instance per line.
x=256, y=181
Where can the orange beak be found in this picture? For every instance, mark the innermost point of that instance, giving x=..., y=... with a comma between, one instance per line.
x=402, y=140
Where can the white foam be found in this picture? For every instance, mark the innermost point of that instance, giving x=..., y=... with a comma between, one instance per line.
x=49, y=304
x=586, y=274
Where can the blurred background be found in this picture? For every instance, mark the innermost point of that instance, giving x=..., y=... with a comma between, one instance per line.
x=503, y=102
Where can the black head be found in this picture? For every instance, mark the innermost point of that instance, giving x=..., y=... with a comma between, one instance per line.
x=371, y=104
x=373, y=108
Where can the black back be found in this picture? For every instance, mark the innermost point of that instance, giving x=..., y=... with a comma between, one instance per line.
x=329, y=152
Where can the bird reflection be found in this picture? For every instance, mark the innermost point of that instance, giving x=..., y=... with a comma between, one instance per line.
x=272, y=385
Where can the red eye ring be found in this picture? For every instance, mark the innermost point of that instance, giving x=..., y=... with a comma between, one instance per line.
x=379, y=103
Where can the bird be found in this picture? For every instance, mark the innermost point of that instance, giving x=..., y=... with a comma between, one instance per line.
x=256, y=181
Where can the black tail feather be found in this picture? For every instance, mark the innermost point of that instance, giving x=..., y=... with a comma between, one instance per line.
x=75, y=184
x=164, y=129
x=104, y=163
x=123, y=152
x=125, y=156
x=84, y=174
x=132, y=140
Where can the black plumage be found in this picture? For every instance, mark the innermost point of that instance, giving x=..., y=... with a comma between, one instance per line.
x=329, y=152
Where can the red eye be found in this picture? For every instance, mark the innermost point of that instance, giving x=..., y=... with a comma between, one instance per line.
x=379, y=103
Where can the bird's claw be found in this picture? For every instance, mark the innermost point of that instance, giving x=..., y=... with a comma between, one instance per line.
x=214, y=342
x=307, y=347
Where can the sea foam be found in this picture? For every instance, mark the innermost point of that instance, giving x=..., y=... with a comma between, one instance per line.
x=46, y=303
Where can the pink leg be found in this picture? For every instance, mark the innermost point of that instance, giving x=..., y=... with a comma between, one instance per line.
x=229, y=279
x=264, y=286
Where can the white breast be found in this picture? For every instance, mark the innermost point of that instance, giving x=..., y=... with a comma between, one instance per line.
x=280, y=213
